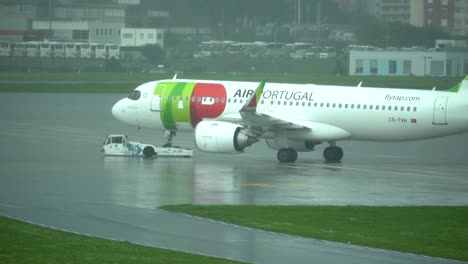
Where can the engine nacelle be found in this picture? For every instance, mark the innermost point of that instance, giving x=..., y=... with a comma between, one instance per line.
x=298, y=145
x=222, y=137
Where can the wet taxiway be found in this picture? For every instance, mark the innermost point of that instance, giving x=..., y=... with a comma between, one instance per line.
x=53, y=174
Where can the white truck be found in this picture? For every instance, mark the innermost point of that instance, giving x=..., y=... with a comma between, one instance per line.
x=118, y=145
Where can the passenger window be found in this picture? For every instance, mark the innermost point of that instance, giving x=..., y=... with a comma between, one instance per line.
x=352, y=106
x=297, y=103
x=414, y=109
x=261, y=101
x=370, y=107
x=328, y=105
x=223, y=100
x=315, y=104
x=358, y=106
x=408, y=109
x=346, y=106
x=377, y=107
x=364, y=107
x=321, y=104
x=310, y=104
x=396, y=108
x=303, y=103
x=339, y=105
x=291, y=103
x=193, y=98
x=402, y=108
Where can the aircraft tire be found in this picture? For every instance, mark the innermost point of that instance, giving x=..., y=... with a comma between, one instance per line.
x=287, y=155
x=333, y=154
x=292, y=155
x=149, y=152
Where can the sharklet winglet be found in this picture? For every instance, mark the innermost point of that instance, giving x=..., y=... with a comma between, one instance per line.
x=251, y=104
x=175, y=77
x=457, y=87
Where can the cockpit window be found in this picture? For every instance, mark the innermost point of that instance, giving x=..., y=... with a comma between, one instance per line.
x=134, y=95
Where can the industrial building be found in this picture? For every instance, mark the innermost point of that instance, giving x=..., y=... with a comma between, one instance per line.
x=137, y=37
x=448, y=58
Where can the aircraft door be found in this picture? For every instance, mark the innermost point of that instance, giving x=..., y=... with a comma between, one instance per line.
x=156, y=100
x=440, y=111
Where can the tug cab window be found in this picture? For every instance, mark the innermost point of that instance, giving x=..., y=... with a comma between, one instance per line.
x=134, y=95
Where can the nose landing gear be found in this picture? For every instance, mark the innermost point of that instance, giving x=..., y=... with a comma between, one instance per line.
x=170, y=137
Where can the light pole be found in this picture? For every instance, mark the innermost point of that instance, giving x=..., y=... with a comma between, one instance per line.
x=50, y=19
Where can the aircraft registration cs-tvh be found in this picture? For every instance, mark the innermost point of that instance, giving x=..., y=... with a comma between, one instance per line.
x=229, y=116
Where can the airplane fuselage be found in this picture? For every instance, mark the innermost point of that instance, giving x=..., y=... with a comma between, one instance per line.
x=374, y=114
x=299, y=112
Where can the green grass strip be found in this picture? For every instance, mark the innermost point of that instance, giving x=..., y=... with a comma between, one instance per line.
x=25, y=243
x=67, y=88
x=432, y=231
x=125, y=82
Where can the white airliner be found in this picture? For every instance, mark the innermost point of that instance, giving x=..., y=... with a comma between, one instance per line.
x=229, y=116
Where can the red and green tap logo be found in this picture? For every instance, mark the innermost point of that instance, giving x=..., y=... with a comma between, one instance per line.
x=190, y=102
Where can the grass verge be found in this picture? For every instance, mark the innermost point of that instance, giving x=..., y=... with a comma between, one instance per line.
x=25, y=243
x=125, y=82
x=432, y=231
x=67, y=88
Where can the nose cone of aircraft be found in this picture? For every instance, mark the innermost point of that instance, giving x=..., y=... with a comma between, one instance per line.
x=118, y=110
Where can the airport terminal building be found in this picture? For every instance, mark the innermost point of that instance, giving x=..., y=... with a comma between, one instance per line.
x=449, y=58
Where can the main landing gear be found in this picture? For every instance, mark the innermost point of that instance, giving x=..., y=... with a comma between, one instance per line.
x=333, y=153
x=287, y=155
x=170, y=137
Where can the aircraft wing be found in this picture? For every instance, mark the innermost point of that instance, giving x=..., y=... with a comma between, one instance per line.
x=261, y=123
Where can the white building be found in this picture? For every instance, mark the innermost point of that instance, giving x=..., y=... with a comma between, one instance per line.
x=460, y=26
x=93, y=31
x=408, y=62
x=136, y=37
x=90, y=12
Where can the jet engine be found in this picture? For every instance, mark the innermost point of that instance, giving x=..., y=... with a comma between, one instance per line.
x=298, y=145
x=222, y=137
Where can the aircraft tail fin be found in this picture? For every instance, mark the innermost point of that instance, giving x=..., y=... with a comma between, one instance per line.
x=251, y=104
x=461, y=86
